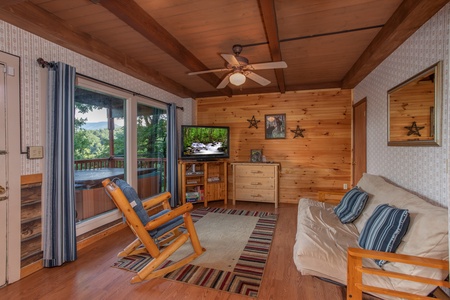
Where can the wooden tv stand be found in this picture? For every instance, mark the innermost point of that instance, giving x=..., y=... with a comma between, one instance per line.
x=205, y=179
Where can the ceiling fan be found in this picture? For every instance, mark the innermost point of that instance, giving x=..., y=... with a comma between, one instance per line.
x=241, y=69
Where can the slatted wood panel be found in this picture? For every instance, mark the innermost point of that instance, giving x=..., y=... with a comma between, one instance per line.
x=320, y=38
x=304, y=18
x=339, y=50
x=31, y=218
x=319, y=161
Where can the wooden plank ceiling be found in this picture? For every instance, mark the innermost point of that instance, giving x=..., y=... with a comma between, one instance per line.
x=325, y=43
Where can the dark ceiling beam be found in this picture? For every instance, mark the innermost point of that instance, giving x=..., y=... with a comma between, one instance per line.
x=261, y=90
x=267, y=8
x=38, y=21
x=409, y=16
x=6, y=3
x=273, y=89
x=138, y=19
x=314, y=86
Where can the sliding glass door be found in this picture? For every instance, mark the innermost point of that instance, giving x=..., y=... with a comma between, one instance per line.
x=151, y=150
x=117, y=135
x=99, y=149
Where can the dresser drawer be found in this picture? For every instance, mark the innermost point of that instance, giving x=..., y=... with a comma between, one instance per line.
x=260, y=195
x=254, y=183
x=255, y=171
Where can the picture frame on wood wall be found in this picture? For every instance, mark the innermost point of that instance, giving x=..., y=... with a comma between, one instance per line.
x=275, y=126
x=256, y=155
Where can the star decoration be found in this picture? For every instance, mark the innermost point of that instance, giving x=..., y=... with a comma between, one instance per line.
x=414, y=129
x=253, y=122
x=298, y=132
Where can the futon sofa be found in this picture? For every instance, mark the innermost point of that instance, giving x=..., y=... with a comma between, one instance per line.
x=322, y=239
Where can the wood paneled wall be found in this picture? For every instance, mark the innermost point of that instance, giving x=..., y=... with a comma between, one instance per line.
x=319, y=161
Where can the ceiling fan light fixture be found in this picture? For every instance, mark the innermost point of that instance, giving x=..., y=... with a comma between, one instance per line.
x=237, y=79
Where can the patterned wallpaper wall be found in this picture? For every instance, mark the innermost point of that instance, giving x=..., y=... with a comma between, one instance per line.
x=29, y=47
x=420, y=169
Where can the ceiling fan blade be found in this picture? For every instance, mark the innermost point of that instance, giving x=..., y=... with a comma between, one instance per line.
x=224, y=82
x=267, y=65
x=256, y=78
x=207, y=71
x=231, y=59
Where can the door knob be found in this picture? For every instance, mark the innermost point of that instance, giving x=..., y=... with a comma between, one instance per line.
x=2, y=190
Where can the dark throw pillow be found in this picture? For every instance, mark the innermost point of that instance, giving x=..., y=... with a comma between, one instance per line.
x=384, y=230
x=351, y=205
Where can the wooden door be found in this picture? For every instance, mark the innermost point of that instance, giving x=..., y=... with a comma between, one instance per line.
x=9, y=170
x=359, y=165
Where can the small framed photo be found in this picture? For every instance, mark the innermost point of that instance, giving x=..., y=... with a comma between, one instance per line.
x=275, y=126
x=256, y=155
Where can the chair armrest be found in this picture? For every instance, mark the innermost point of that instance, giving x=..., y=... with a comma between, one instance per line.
x=333, y=197
x=355, y=270
x=156, y=200
x=169, y=216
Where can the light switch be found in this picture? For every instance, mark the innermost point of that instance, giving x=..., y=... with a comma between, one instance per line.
x=35, y=152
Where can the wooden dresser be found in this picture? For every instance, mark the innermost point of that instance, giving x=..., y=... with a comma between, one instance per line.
x=256, y=182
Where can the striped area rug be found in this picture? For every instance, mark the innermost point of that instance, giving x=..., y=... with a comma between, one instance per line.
x=246, y=276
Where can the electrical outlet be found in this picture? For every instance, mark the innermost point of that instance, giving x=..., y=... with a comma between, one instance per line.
x=35, y=152
x=345, y=186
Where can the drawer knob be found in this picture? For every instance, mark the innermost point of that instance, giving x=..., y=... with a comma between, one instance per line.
x=256, y=183
x=255, y=172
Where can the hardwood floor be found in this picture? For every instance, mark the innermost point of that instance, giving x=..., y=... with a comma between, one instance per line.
x=92, y=277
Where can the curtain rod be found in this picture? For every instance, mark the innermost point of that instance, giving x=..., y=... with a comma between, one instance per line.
x=45, y=64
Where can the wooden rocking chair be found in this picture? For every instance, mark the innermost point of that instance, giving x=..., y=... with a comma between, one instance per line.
x=157, y=235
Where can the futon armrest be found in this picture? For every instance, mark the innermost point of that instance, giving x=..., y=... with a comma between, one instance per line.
x=333, y=197
x=169, y=216
x=156, y=200
x=401, y=258
x=355, y=269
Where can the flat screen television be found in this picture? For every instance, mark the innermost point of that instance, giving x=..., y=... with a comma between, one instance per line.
x=204, y=142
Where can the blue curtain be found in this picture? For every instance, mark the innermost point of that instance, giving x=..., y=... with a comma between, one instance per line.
x=60, y=243
x=172, y=154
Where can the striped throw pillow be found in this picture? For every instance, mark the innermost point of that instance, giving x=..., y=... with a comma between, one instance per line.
x=384, y=230
x=351, y=205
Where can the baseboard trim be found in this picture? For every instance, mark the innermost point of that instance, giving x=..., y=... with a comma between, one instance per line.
x=38, y=265
x=96, y=237
x=31, y=268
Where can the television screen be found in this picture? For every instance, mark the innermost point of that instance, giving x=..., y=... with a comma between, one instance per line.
x=204, y=142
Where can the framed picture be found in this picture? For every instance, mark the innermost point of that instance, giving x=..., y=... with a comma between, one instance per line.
x=256, y=155
x=275, y=126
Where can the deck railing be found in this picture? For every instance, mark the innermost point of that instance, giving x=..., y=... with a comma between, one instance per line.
x=117, y=162
x=92, y=201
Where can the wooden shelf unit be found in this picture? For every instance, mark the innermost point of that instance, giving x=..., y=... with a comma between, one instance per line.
x=31, y=219
x=207, y=178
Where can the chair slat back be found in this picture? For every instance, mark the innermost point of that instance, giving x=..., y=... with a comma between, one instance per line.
x=131, y=217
